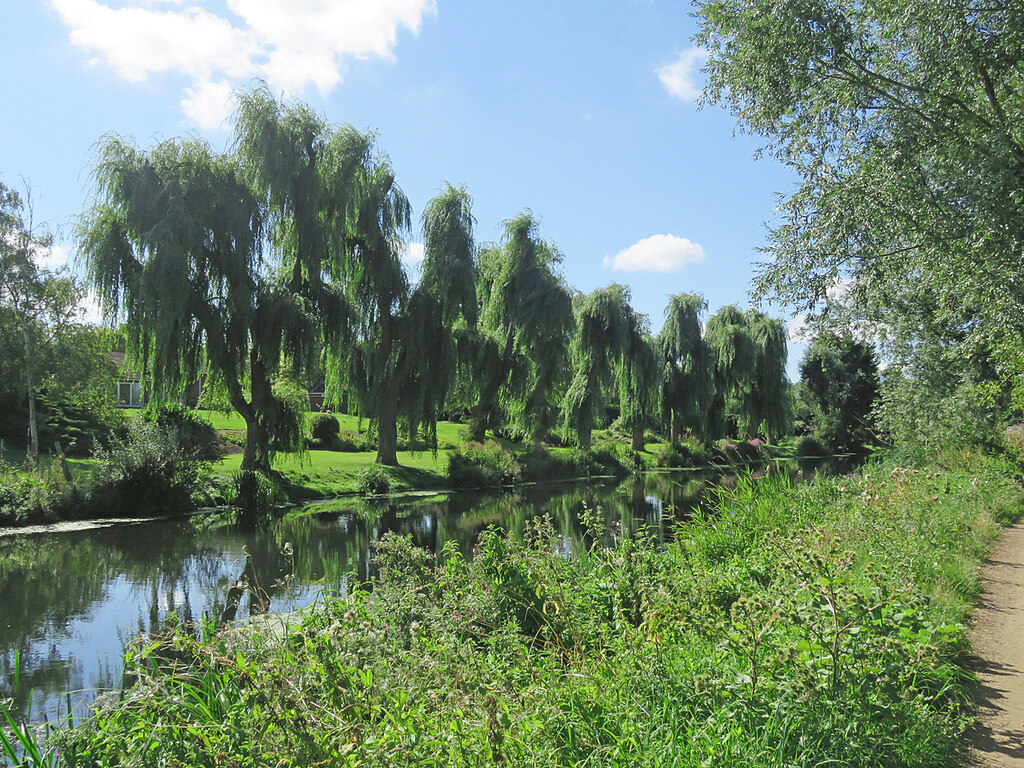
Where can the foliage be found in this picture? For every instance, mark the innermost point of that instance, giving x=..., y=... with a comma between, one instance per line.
x=151, y=468
x=40, y=302
x=374, y=480
x=482, y=465
x=600, y=345
x=216, y=269
x=839, y=387
x=936, y=399
x=687, y=368
x=768, y=634
x=751, y=392
x=195, y=436
x=30, y=495
x=518, y=356
x=902, y=123
x=324, y=429
x=684, y=456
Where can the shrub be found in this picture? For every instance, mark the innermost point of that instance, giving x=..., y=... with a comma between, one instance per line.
x=808, y=446
x=195, y=436
x=325, y=429
x=374, y=480
x=152, y=468
x=683, y=455
x=483, y=466
x=28, y=495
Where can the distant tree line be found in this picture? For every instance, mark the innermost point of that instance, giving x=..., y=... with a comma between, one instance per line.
x=281, y=259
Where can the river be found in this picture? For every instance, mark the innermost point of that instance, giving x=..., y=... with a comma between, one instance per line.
x=69, y=601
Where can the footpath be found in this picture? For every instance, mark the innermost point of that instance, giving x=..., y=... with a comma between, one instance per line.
x=998, y=640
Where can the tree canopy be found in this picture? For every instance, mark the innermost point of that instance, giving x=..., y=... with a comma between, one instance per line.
x=903, y=123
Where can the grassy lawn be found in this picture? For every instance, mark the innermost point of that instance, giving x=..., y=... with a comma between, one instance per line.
x=333, y=472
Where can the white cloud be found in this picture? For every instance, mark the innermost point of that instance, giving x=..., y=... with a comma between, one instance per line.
x=797, y=329
x=208, y=103
x=414, y=253
x=680, y=76
x=53, y=259
x=293, y=44
x=658, y=253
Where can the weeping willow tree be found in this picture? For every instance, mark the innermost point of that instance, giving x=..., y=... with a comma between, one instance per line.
x=379, y=287
x=604, y=336
x=443, y=310
x=687, y=371
x=640, y=386
x=749, y=352
x=770, y=410
x=734, y=357
x=519, y=355
x=176, y=247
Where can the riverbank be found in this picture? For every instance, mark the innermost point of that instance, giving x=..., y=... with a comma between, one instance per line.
x=51, y=492
x=799, y=625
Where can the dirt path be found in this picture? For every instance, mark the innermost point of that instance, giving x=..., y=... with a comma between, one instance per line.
x=998, y=641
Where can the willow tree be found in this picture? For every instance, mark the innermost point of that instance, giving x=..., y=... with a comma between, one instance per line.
x=519, y=355
x=175, y=248
x=749, y=354
x=770, y=409
x=379, y=288
x=605, y=329
x=443, y=309
x=687, y=371
x=640, y=386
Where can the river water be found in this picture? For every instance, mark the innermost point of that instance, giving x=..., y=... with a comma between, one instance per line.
x=70, y=601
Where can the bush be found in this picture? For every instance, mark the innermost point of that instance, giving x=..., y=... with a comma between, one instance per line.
x=683, y=456
x=152, y=468
x=196, y=438
x=808, y=446
x=374, y=480
x=325, y=429
x=483, y=466
x=28, y=495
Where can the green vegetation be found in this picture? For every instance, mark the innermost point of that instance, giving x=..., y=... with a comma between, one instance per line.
x=902, y=124
x=798, y=626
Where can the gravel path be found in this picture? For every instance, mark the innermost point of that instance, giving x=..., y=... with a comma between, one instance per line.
x=998, y=641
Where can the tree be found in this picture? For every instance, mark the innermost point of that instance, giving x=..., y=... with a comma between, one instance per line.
x=839, y=384
x=748, y=350
x=40, y=302
x=604, y=337
x=519, y=356
x=405, y=356
x=640, y=387
x=379, y=289
x=177, y=245
x=903, y=123
x=687, y=372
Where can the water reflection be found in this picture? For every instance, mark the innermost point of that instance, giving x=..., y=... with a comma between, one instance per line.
x=70, y=601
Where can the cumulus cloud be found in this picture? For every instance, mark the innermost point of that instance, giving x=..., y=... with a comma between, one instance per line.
x=797, y=329
x=680, y=76
x=414, y=253
x=54, y=258
x=658, y=253
x=293, y=44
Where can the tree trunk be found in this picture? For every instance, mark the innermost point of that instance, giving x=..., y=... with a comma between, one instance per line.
x=387, y=431
x=257, y=442
x=32, y=450
x=638, y=439
x=584, y=429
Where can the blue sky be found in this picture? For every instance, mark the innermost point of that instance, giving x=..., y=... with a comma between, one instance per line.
x=582, y=112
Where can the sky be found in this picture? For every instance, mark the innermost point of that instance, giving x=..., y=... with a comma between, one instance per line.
x=584, y=113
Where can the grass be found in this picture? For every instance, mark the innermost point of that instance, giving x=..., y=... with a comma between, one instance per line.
x=798, y=626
